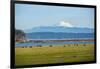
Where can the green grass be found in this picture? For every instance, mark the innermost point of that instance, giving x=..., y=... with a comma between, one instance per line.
x=55, y=54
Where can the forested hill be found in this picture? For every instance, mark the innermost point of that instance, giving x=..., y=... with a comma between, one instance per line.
x=19, y=34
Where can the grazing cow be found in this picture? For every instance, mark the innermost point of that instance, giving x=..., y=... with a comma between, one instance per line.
x=23, y=47
x=39, y=45
x=68, y=44
x=50, y=45
x=74, y=56
x=30, y=46
x=84, y=44
x=64, y=45
x=75, y=44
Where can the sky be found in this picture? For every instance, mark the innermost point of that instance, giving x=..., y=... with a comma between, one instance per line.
x=29, y=16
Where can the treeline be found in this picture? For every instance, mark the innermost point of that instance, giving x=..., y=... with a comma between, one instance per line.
x=19, y=35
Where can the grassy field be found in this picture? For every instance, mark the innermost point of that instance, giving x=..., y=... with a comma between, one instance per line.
x=54, y=54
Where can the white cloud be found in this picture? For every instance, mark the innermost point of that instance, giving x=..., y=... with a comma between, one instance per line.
x=65, y=24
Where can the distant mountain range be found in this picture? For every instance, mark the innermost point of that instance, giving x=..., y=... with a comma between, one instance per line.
x=60, y=29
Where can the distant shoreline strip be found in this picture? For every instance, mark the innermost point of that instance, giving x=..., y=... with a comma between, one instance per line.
x=73, y=40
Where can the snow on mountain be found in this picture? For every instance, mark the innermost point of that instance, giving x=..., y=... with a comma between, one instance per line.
x=65, y=24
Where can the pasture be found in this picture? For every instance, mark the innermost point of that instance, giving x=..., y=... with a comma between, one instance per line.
x=54, y=54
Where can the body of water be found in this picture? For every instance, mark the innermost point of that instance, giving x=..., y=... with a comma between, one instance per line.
x=57, y=36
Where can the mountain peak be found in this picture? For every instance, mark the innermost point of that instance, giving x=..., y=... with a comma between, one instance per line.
x=65, y=24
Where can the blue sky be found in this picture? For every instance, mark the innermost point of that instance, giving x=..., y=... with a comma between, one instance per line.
x=30, y=16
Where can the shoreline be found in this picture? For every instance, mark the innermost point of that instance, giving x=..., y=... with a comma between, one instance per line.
x=65, y=45
x=41, y=43
x=58, y=40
